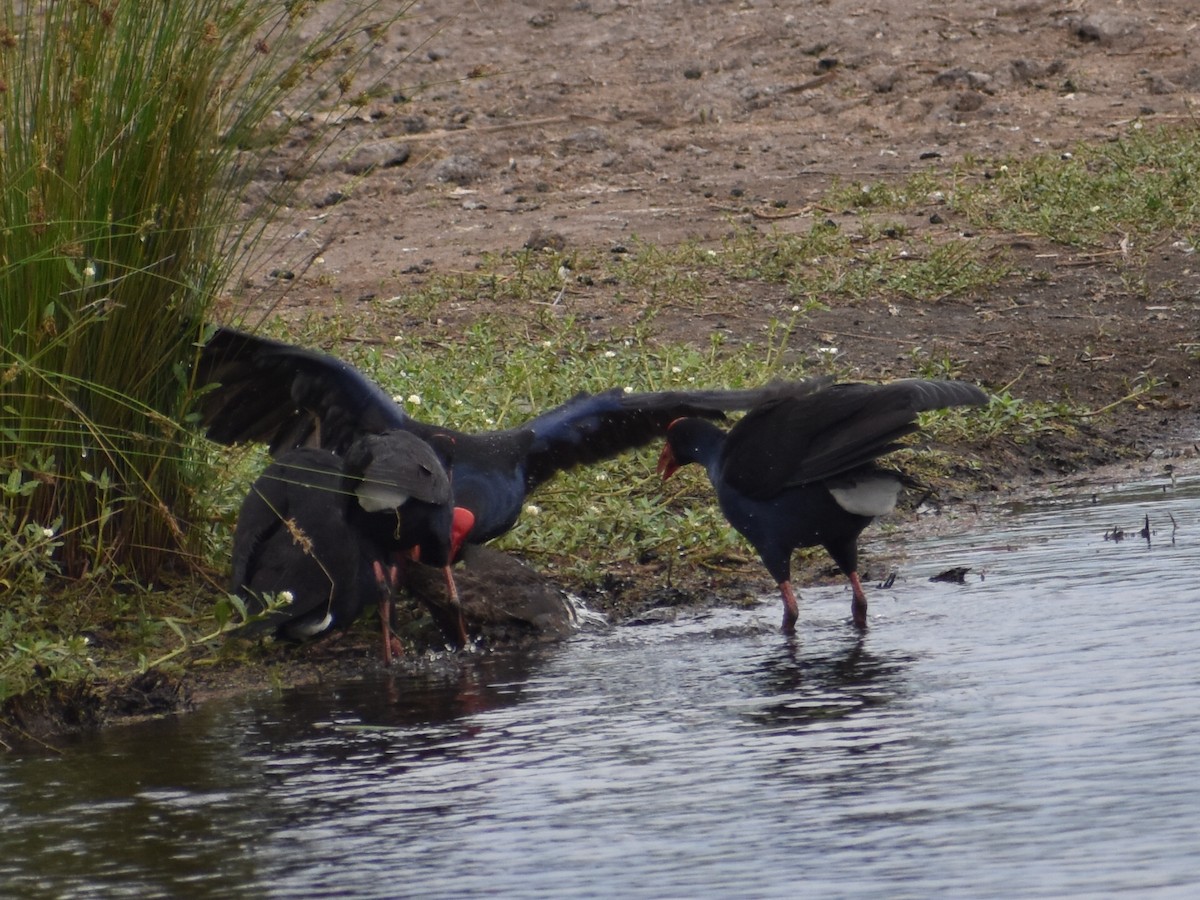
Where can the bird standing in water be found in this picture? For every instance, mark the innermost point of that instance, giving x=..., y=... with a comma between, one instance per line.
x=799, y=471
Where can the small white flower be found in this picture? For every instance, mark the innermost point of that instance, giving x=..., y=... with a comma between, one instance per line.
x=712, y=253
x=89, y=271
x=547, y=344
x=397, y=338
x=532, y=510
x=414, y=399
x=47, y=532
x=601, y=476
x=397, y=398
x=1095, y=209
x=1004, y=168
x=676, y=369
x=796, y=307
x=828, y=351
x=609, y=354
x=628, y=389
x=286, y=596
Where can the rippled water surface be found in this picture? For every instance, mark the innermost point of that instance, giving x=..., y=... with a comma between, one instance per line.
x=1032, y=732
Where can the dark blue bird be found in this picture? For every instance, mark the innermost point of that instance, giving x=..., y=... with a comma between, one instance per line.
x=286, y=396
x=800, y=471
x=333, y=531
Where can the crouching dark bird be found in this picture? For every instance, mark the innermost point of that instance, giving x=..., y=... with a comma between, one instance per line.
x=800, y=471
x=334, y=531
x=285, y=396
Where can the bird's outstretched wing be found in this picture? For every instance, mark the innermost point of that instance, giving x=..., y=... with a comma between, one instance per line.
x=591, y=427
x=798, y=440
x=285, y=396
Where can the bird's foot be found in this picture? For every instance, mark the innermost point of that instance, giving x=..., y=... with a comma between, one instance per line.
x=395, y=647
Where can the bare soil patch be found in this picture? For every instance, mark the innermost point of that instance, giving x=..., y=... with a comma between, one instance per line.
x=590, y=123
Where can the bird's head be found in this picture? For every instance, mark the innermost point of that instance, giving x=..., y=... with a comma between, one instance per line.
x=668, y=462
x=689, y=440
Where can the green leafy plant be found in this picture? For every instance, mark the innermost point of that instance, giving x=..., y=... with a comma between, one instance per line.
x=124, y=131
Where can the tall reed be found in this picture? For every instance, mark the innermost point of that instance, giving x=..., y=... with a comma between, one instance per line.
x=124, y=129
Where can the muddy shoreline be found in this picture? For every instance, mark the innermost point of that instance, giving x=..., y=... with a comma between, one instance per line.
x=50, y=721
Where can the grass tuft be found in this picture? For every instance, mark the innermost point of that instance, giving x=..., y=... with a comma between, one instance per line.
x=122, y=136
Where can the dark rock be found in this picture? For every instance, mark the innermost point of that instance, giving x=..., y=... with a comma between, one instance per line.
x=544, y=239
x=333, y=198
x=459, y=170
x=1107, y=29
x=376, y=156
x=883, y=79
x=968, y=101
x=960, y=77
x=588, y=140
x=957, y=575
x=503, y=599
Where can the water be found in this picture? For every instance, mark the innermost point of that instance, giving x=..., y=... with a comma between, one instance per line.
x=1027, y=734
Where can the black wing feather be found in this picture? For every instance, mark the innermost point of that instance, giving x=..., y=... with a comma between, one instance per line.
x=592, y=427
x=800, y=440
x=286, y=396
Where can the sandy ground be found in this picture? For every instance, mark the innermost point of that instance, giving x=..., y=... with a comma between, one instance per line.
x=590, y=123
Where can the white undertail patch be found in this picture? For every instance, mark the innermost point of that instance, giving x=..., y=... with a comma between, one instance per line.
x=867, y=495
x=300, y=631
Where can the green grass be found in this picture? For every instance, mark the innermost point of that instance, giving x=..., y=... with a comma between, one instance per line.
x=1143, y=187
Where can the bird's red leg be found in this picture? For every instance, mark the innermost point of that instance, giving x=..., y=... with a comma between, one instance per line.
x=387, y=579
x=791, y=610
x=858, y=606
x=385, y=582
x=452, y=591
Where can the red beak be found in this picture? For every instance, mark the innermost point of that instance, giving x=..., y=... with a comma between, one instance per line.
x=667, y=465
x=464, y=521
